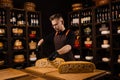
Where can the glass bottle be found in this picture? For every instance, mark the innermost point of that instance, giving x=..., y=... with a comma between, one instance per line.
x=3, y=17
x=13, y=18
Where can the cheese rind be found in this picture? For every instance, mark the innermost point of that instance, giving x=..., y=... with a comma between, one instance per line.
x=45, y=63
x=76, y=67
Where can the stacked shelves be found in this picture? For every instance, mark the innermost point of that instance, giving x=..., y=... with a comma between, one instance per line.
x=20, y=32
x=100, y=25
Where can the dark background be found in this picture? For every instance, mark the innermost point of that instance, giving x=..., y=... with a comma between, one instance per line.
x=49, y=7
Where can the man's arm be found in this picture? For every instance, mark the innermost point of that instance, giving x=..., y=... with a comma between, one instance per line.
x=64, y=49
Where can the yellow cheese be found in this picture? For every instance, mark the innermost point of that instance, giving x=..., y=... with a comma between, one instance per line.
x=44, y=63
x=76, y=67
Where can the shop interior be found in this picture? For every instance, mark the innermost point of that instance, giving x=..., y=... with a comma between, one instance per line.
x=96, y=25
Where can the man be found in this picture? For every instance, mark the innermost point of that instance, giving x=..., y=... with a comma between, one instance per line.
x=63, y=39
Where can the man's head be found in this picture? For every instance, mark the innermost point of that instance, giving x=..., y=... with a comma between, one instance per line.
x=57, y=22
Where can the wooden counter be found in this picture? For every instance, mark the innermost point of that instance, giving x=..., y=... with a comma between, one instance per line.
x=11, y=73
x=53, y=74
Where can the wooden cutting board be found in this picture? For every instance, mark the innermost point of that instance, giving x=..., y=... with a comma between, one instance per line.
x=75, y=76
x=40, y=71
x=11, y=73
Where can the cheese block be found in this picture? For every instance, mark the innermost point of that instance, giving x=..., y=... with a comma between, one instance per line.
x=45, y=63
x=76, y=67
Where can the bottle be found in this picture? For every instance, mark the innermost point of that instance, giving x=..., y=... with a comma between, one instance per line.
x=0, y=18
x=13, y=18
x=36, y=20
x=19, y=19
x=31, y=20
x=76, y=20
x=3, y=17
x=22, y=19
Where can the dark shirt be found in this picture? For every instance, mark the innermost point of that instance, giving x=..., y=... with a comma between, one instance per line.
x=49, y=46
x=70, y=37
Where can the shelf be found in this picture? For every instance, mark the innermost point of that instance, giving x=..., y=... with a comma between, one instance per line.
x=104, y=24
x=16, y=38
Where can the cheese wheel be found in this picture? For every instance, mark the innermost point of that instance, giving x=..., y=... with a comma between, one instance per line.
x=76, y=67
x=45, y=63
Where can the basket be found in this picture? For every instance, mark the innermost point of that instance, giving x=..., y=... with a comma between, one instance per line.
x=76, y=6
x=29, y=6
x=6, y=3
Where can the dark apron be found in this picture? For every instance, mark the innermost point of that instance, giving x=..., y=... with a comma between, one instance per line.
x=59, y=41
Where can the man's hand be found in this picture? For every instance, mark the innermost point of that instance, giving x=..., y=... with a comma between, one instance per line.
x=53, y=56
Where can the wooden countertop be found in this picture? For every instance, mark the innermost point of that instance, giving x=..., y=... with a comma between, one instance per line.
x=11, y=73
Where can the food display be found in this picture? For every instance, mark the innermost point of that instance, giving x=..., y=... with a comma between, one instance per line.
x=88, y=43
x=1, y=45
x=32, y=34
x=105, y=44
x=2, y=32
x=44, y=63
x=17, y=31
x=76, y=67
x=32, y=45
x=18, y=44
x=19, y=58
x=33, y=57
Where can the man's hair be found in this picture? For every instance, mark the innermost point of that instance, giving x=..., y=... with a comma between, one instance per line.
x=55, y=16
